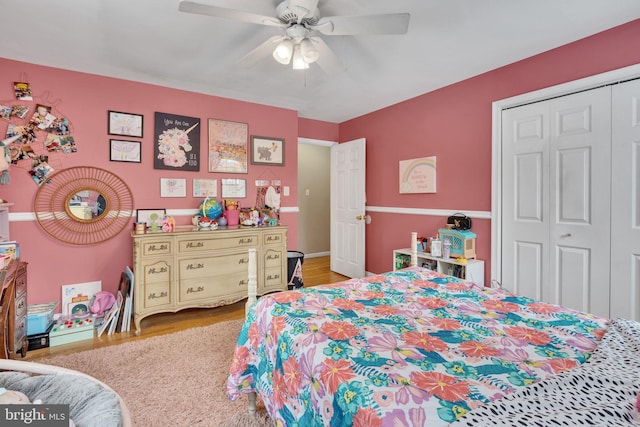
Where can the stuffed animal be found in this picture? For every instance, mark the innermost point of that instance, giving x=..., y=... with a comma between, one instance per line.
x=13, y=397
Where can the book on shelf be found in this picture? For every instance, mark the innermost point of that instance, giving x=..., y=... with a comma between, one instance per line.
x=431, y=264
x=402, y=261
x=10, y=248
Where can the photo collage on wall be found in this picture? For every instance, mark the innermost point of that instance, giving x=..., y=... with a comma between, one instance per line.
x=35, y=130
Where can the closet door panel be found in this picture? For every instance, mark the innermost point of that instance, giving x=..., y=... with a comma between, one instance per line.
x=580, y=177
x=525, y=231
x=625, y=193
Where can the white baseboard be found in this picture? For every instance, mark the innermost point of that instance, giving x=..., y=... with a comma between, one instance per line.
x=317, y=254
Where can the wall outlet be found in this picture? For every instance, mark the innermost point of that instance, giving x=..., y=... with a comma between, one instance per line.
x=286, y=190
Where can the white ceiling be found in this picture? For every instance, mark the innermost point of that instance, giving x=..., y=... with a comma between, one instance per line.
x=151, y=41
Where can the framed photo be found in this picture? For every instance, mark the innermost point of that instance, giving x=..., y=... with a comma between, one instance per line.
x=177, y=142
x=228, y=146
x=205, y=187
x=173, y=187
x=151, y=216
x=125, y=124
x=234, y=188
x=267, y=151
x=124, y=151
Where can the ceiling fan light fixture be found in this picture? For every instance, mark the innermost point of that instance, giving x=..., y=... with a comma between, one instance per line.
x=309, y=51
x=284, y=52
x=298, y=60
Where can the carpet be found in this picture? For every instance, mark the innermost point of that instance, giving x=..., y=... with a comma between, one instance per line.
x=177, y=379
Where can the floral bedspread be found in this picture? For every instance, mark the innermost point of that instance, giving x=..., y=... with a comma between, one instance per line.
x=406, y=348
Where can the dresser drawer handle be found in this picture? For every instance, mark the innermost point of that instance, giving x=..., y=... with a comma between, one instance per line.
x=275, y=276
x=245, y=241
x=194, y=266
x=273, y=238
x=155, y=296
x=195, y=245
x=198, y=289
x=154, y=248
x=243, y=282
x=243, y=261
x=270, y=257
x=160, y=270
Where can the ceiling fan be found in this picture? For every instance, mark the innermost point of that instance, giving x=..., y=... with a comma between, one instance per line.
x=302, y=23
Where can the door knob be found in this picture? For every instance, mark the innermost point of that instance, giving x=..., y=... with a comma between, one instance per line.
x=360, y=217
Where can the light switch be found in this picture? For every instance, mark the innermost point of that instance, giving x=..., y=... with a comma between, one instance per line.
x=306, y=192
x=286, y=190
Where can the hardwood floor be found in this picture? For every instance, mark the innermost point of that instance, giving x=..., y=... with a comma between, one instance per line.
x=315, y=271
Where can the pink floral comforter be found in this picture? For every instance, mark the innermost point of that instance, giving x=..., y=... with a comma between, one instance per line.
x=406, y=348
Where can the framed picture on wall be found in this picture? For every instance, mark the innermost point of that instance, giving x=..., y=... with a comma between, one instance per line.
x=124, y=151
x=150, y=216
x=228, y=146
x=267, y=151
x=234, y=188
x=125, y=124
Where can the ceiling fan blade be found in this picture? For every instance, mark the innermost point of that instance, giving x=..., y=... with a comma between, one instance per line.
x=263, y=50
x=392, y=23
x=327, y=61
x=232, y=14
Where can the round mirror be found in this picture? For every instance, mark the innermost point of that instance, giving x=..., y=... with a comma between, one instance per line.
x=86, y=205
x=83, y=205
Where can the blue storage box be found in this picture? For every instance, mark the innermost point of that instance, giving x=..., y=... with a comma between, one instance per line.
x=40, y=317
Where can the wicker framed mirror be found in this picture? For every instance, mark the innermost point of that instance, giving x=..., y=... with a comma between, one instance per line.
x=83, y=205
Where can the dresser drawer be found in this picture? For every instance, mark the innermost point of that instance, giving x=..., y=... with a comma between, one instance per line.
x=156, y=247
x=156, y=272
x=191, y=245
x=274, y=257
x=275, y=237
x=212, y=266
x=21, y=305
x=273, y=276
x=19, y=333
x=156, y=294
x=21, y=281
x=224, y=285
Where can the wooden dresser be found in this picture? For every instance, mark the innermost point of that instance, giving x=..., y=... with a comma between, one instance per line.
x=13, y=311
x=204, y=268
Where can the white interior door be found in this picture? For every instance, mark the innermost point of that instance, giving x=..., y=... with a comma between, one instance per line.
x=556, y=200
x=348, y=172
x=625, y=202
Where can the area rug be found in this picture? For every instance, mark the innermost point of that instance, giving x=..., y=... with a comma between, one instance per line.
x=177, y=379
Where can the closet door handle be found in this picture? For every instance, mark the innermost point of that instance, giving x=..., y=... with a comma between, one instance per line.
x=564, y=236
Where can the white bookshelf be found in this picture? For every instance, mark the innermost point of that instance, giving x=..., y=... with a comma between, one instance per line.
x=472, y=270
x=4, y=222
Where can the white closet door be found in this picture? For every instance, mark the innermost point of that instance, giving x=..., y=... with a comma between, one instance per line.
x=525, y=210
x=580, y=200
x=556, y=177
x=625, y=235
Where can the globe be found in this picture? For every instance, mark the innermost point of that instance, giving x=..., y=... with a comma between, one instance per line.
x=211, y=208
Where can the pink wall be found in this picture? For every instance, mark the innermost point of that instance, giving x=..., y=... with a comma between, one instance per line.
x=316, y=129
x=454, y=124
x=85, y=99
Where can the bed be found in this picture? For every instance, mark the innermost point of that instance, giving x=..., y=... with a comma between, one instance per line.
x=415, y=347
